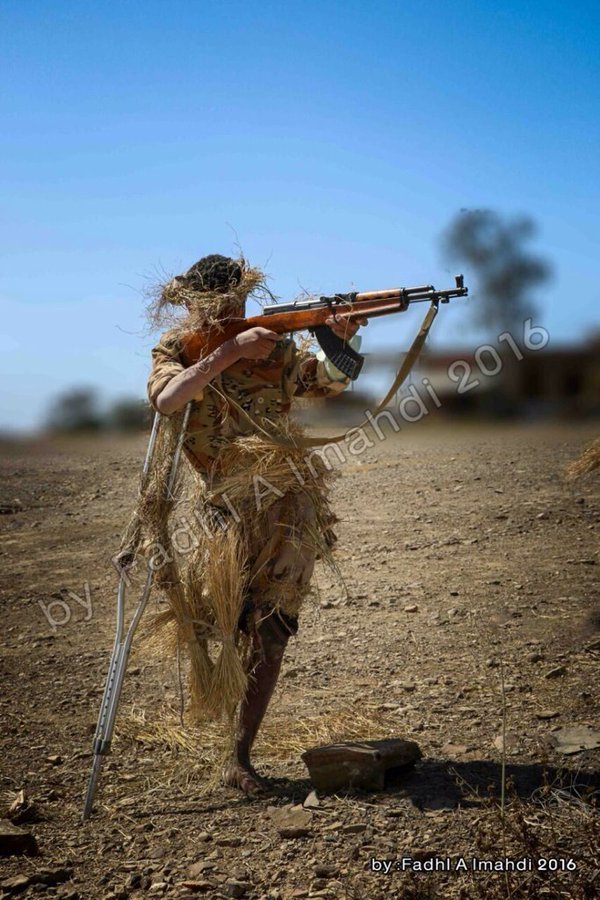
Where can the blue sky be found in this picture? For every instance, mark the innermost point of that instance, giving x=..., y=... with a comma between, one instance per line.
x=333, y=140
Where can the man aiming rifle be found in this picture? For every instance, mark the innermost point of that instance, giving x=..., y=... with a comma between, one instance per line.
x=222, y=386
x=259, y=372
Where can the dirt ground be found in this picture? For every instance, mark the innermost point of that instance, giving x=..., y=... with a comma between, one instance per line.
x=466, y=558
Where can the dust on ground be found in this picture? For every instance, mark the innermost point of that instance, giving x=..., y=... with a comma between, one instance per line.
x=466, y=557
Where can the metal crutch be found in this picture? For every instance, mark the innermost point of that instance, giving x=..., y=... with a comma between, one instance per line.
x=122, y=645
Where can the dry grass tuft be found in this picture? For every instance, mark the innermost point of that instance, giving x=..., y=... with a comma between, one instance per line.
x=281, y=737
x=587, y=462
x=173, y=304
x=225, y=581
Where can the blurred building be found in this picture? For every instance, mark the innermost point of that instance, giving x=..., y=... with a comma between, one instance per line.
x=556, y=381
x=489, y=381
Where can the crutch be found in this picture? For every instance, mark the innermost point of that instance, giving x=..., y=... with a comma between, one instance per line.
x=123, y=640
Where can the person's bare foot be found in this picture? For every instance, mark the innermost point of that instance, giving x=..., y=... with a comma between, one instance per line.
x=244, y=777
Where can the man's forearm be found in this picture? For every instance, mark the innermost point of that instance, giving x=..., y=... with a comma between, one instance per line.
x=188, y=384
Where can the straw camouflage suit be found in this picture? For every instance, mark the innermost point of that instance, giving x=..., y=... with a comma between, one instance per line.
x=261, y=504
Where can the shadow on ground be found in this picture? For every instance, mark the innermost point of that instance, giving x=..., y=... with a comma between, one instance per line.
x=432, y=784
x=446, y=784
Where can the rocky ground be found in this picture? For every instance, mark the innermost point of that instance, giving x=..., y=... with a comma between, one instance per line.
x=468, y=561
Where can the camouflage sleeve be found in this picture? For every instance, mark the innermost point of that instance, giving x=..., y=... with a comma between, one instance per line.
x=310, y=378
x=166, y=363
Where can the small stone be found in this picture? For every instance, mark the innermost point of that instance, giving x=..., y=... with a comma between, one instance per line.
x=50, y=877
x=235, y=888
x=355, y=828
x=291, y=821
x=575, y=739
x=199, y=868
x=323, y=870
x=22, y=809
x=240, y=874
x=451, y=750
x=411, y=608
x=16, y=884
x=547, y=714
x=312, y=801
x=423, y=854
x=158, y=887
x=507, y=743
x=55, y=759
x=15, y=840
x=535, y=657
x=556, y=672
x=198, y=887
x=228, y=841
x=293, y=833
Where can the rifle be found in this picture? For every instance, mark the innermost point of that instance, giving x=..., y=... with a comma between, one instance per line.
x=310, y=315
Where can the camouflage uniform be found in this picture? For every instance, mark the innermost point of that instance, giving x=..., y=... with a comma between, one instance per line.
x=281, y=568
x=263, y=388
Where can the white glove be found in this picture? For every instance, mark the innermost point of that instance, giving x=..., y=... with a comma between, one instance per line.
x=332, y=372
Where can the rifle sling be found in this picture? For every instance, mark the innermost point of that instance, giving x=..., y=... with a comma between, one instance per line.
x=400, y=377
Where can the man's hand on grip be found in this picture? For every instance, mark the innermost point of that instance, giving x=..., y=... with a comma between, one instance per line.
x=256, y=343
x=345, y=328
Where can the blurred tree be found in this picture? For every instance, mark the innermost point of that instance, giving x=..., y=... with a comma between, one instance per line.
x=505, y=271
x=75, y=410
x=129, y=414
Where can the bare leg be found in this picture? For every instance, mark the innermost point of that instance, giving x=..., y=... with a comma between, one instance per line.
x=269, y=643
